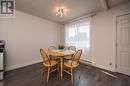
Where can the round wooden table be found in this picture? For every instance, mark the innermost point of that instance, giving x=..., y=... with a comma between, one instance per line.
x=61, y=54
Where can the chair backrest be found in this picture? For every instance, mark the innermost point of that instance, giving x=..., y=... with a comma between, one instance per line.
x=76, y=56
x=44, y=56
x=66, y=48
x=72, y=48
x=51, y=48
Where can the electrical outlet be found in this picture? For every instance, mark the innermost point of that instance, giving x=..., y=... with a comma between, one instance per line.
x=110, y=63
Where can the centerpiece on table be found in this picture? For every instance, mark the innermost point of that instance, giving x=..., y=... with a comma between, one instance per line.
x=61, y=47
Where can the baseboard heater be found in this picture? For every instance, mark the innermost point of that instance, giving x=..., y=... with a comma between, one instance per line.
x=88, y=62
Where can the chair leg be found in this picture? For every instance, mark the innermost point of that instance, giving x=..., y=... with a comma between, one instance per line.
x=71, y=72
x=42, y=71
x=58, y=67
x=72, y=75
x=48, y=74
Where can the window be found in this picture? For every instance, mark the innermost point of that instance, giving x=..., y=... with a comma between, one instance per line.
x=79, y=35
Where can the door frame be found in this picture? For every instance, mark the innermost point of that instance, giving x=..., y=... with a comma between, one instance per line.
x=115, y=38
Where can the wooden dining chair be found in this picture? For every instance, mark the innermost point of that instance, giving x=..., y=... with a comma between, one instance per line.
x=50, y=49
x=47, y=63
x=66, y=48
x=72, y=48
x=71, y=64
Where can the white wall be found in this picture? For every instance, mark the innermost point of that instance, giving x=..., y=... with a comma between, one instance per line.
x=24, y=36
x=103, y=36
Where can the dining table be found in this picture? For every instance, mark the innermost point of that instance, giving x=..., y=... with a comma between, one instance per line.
x=61, y=54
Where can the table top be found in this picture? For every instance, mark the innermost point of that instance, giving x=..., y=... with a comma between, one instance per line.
x=60, y=53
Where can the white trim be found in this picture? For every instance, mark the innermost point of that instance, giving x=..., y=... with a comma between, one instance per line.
x=115, y=41
x=105, y=67
x=124, y=72
x=22, y=65
x=121, y=14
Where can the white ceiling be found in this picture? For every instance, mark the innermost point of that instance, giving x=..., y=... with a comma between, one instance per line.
x=46, y=8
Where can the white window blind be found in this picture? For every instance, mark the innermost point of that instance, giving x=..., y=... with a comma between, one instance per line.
x=78, y=34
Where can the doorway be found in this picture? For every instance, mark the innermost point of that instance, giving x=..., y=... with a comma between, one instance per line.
x=123, y=43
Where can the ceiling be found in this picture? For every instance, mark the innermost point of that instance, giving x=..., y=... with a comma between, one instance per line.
x=77, y=8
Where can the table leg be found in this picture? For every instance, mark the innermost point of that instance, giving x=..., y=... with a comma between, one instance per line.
x=61, y=68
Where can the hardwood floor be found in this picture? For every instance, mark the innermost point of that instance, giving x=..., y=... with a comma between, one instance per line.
x=83, y=76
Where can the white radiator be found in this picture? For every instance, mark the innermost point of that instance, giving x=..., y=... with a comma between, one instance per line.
x=88, y=62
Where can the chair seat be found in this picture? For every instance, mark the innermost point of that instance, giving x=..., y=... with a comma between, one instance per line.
x=68, y=64
x=68, y=58
x=54, y=58
x=52, y=63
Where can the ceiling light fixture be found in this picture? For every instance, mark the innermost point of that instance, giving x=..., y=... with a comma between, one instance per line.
x=61, y=12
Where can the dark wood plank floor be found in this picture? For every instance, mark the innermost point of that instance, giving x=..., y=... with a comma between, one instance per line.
x=83, y=76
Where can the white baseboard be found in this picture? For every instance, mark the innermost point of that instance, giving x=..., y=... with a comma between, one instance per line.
x=105, y=67
x=21, y=65
x=98, y=65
